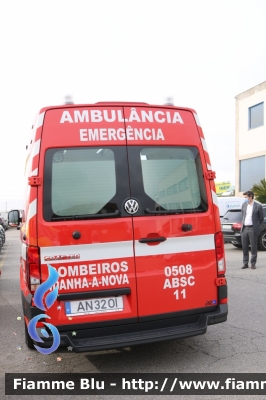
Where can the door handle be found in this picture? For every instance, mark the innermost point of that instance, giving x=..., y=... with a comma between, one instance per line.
x=152, y=240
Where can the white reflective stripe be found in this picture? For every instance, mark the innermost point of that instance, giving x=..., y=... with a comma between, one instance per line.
x=35, y=172
x=32, y=209
x=197, y=119
x=23, y=251
x=116, y=250
x=36, y=148
x=176, y=245
x=209, y=167
x=204, y=145
x=40, y=120
x=214, y=198
x=87, y=252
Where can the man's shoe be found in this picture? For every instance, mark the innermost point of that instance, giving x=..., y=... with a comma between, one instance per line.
x=253, y=266
x=244, y=266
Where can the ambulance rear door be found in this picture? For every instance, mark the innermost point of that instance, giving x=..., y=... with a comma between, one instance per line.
x=173, y=221
x=83, y=229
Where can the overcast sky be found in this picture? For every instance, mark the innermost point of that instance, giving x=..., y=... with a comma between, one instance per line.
x=202, y=52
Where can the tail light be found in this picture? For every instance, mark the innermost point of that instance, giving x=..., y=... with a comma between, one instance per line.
x=33, y=268
x=237, y=226
x=220, y=255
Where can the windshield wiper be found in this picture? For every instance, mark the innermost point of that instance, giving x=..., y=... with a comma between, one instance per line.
x=85, y=216
x=192, y=210
x=178, y=211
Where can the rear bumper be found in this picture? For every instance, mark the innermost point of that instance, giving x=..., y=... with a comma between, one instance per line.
x=232, y=238
x=237, y=239
x=136, y=333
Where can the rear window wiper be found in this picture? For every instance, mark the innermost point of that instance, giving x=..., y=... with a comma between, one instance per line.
x=178, y=211
x=148, y=211
x=85, y=216
x=192, y=210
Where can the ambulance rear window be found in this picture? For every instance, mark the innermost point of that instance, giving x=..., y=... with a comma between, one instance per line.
x=81, y=182
x=173, y=178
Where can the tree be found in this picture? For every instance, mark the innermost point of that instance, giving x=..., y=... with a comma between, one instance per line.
x=259, y=190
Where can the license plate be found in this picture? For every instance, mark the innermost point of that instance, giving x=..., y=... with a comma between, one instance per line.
x=226, y=227
x=94, y=306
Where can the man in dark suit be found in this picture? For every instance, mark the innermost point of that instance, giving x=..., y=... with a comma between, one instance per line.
x=252, y=218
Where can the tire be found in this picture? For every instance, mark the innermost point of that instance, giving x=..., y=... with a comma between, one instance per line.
x=28, y=339
x=262, y=241
x=239, y=246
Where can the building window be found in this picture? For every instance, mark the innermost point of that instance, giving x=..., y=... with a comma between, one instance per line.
x=251, y=171
x=172, y=190
x=183, y=185
x=255, y=116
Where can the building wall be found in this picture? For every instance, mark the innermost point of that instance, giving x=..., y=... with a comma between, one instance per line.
x=250, y=143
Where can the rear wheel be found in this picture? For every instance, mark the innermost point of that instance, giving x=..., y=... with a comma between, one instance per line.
x=28, y=339
x=262, y=241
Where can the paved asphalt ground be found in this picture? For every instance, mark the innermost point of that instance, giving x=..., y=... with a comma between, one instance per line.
x=239, y=345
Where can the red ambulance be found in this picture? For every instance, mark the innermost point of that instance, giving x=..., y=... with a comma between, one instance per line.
x=121, y=202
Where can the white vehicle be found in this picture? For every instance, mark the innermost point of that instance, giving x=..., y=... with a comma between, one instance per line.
x=229, y=203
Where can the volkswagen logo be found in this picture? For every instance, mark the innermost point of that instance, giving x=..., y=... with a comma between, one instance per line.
x=131, y=206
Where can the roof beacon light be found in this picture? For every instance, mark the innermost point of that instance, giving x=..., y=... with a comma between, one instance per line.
x=169, y=101
x=68, y=99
